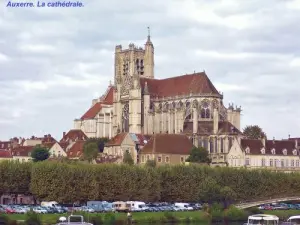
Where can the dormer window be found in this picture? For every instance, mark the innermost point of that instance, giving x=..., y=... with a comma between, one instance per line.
x=29, y=154
x=273, y=151
x=284, y=151
x=263, y=151
x=295, y=152
x=247, y=150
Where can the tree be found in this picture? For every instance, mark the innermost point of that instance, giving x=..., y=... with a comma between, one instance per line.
x=209, y=190
x=40, y=154
x=127, y=159
x=199, y=155
x=254, y=132
x=227, y=195
x=100, y=142
x=151, y=163
x=90, y=151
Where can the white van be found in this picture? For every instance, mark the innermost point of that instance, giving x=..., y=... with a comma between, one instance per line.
x=49, y=204
x=136, y=206
x=183, y=206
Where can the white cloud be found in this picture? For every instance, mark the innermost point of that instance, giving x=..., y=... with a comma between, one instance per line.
x=3, y=57
x=54, y=62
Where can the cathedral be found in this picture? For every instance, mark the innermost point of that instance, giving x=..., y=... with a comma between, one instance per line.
x=139, y=103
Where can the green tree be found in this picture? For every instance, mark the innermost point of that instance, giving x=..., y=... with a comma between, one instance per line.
x=100, y=142
x=209, y=190
x=40, y=154
x=199, y=155
x=127, y=158
x=254, y=132
x=90, y=151
x=151, y=163
x=227, y=195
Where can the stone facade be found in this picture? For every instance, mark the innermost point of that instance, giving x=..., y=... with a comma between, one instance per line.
x=138, y=103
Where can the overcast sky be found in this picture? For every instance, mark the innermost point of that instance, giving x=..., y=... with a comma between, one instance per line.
x=54, y=61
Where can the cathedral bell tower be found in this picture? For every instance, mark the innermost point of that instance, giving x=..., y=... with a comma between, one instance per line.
x=130, y=65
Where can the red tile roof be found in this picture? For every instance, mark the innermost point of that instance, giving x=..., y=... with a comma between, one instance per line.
x=74, y=135
x=76, y=150
x=168, y=144
x=22, y=151
x=197, y=83
x=116, y=140
x=255, y=146
x=106, y=99
x=5, y=154
x=92, y=112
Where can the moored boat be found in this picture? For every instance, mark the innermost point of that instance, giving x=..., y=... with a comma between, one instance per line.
x=293, y=220
x=73, y=220
x=262, y=219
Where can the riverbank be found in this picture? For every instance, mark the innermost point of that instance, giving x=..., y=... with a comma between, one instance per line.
x=231, y=214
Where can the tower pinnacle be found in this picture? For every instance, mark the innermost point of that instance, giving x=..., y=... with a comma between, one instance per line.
x=148, y=39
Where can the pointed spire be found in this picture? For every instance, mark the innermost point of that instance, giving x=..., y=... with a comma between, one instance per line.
x=148, y=39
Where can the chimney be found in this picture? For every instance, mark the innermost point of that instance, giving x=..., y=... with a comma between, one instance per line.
x=64, y=134
x=263, y=140
x=296, y=143
x=216, y=121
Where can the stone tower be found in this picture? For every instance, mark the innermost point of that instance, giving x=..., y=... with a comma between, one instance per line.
x=130, y=65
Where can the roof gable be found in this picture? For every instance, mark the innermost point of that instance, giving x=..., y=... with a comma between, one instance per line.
x=272, y=147
x=106, y=99
x=74, y=135
x=116, y=140
x=197, y=83
x=168, y=144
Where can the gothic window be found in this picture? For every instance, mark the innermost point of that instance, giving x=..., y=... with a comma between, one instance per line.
x=200, y=142
x=211, y=145
x=125, y=118
x=173, y=105
x=179, y=105
x=205, y=112
x=216, y=145
x=222, y=145
x=166, y=107
x=229, y=143
x=215, y=104
x=205, y=144
x=151, y=107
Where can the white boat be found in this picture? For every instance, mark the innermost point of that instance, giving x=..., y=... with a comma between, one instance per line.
x=78, y=218
x=262, y=219
x=293, y=220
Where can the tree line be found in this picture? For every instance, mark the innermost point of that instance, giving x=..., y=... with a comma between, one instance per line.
x=68, y=183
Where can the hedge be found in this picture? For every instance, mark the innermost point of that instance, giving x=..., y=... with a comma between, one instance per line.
x=68, y=183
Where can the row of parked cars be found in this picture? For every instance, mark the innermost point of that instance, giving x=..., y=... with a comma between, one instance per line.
x=279, y=206
x=99, y=206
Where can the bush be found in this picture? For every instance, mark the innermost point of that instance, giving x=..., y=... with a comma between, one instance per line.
x=255, y=210
x=4, y=219
x=67, y=183
x=170, y=217
x=32, y=218
x=109, y=218
x=235, y=214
